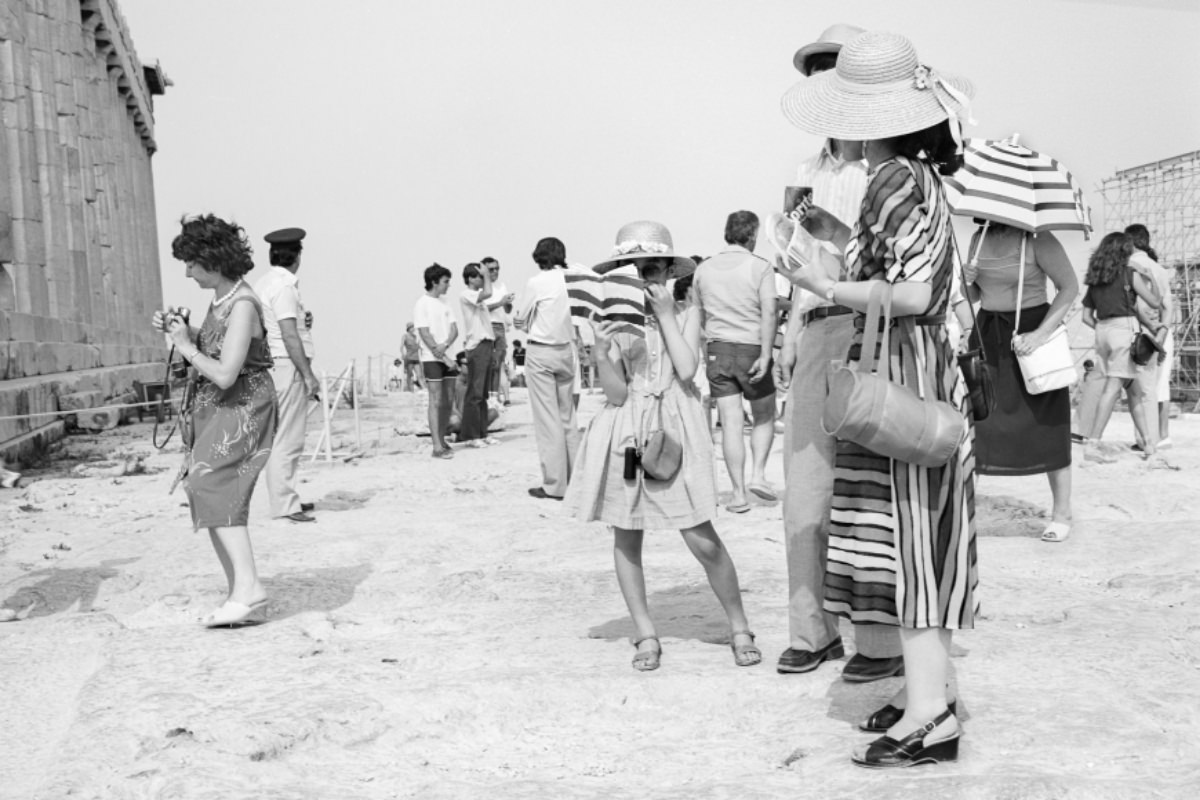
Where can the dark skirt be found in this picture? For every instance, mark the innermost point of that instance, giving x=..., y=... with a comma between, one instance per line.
x=1026, y=434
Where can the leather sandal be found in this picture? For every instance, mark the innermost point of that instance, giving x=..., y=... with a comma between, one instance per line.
x=745, y=655
x=886, y=752
x=889, y=715
x=647, y=660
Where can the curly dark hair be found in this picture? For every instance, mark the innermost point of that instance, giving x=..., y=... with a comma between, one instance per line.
x=934, y=145
x=1108, y=259
x=550, y=253
x=214, y=244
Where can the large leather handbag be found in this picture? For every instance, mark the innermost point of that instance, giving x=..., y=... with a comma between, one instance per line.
x=1051, y=366
x=866, y=407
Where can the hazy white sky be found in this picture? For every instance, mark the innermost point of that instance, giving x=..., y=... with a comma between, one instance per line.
x=399, y=133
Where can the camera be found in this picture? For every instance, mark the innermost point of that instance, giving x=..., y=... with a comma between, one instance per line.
x=181, y=314
x=632, y=461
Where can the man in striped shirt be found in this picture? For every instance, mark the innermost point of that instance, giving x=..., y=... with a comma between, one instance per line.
x=819, y=331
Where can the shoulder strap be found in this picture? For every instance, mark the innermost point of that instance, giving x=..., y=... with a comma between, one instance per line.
x=1020, y=284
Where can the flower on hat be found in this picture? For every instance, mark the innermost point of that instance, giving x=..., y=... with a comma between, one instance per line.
x=632, y=247
x=921, y=77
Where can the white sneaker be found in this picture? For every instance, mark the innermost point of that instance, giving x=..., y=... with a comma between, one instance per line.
x=1164, y=443
x=8, y=478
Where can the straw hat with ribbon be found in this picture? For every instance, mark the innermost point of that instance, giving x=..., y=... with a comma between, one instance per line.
x=878, y=89
x=646, y=239
x=830, y=41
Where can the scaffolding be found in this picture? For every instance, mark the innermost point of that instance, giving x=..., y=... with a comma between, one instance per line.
x=1165, y=197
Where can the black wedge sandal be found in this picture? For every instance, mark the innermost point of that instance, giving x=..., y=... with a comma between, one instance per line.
x=889, y=715
x=885, y=752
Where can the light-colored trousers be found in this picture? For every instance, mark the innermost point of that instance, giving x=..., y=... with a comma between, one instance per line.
x=808, y=454
x=289, y=438
x=549, y=376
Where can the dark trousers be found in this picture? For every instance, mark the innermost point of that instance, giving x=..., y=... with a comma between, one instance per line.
x=499, y=349
x=475, y=410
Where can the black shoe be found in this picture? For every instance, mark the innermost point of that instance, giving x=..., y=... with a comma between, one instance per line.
x=793, y=660
x=540, y=494
x=910, y=751
x=889, y=715
x=307, y=506
x=860, y=669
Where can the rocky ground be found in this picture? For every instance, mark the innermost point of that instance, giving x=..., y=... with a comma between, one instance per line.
x=440, y=634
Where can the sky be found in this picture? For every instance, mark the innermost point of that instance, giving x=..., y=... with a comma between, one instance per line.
x=400, y=133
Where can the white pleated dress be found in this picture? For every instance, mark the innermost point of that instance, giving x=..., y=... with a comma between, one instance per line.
x=598, y=490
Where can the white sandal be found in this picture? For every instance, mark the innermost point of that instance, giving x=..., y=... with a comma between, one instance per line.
x=1056, y=532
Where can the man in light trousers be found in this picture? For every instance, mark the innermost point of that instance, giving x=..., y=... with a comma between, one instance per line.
x=819, y=332
x=545, y=315
x=289, y=333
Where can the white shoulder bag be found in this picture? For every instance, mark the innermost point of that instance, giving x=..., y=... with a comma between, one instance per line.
x=1051, y=366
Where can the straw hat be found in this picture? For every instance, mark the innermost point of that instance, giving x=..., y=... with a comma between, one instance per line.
x=830, y=41
x=878, y=89
x=645, y=239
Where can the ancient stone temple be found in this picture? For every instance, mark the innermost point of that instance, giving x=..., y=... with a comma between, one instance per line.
x=79, y=270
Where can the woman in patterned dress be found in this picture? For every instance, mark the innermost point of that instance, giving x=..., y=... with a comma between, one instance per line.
x=902, y=538
x=637, y=373
x=234, y=411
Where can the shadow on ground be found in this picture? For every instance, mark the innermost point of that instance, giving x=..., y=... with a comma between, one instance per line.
x=681, y=612
x=56, y=590
x=322, y=589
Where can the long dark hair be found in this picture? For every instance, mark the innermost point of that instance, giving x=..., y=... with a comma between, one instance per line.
x=1141, y=239
x=934, y=145
x=1108, y=259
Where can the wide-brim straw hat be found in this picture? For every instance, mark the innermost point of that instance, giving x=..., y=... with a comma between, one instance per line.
x=831, y=40
x=878, y=89
x=644, y=239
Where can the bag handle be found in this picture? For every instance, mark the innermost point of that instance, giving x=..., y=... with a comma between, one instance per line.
x=879, y=305
x=962, y=275
x=1020, y=286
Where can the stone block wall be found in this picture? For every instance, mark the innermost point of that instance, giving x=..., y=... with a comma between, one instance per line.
x=79, y=269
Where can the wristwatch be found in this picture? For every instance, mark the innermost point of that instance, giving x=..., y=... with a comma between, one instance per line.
x=829, y=293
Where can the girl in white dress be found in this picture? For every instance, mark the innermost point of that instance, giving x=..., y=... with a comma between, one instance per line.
x=638, y=374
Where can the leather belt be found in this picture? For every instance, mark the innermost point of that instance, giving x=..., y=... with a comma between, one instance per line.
x=931, y=319
x=825, y=311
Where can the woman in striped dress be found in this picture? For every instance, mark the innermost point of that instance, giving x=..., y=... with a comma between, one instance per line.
x=902, y=537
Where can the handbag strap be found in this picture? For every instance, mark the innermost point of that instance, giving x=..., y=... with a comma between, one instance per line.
x=962, y=276
x=1020, y=285
x=879, y=306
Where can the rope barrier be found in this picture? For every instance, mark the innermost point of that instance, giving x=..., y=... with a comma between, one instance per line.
x=146, y=404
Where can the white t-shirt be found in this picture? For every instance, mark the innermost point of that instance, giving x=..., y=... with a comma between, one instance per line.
x=1162, y=281
x=545, y=309
x=432, y=313
x=477, y=321
x=279, y=291
x=498, y=314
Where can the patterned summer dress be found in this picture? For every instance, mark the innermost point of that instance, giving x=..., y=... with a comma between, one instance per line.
x=598, y=490
x=234, y=427
x=902, y=537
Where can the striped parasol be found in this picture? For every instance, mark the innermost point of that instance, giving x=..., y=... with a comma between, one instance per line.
x=1003, y=181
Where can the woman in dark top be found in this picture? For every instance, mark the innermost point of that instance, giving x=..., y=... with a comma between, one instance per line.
x=1110, y=306
x=234, y=412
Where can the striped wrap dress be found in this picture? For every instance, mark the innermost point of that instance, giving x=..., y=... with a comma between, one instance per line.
x=902, y=537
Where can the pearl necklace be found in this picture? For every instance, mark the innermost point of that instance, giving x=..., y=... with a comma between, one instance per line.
x=228, y=294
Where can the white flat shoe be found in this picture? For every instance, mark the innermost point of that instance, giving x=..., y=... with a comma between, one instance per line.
x=1056, y=532
x=233, y=613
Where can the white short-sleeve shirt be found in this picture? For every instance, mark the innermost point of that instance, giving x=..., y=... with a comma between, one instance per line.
x=432, y=313
x=279, y=291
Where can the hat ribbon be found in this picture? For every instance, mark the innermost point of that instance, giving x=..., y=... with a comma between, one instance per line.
x=924, y=78
x=634, y=247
